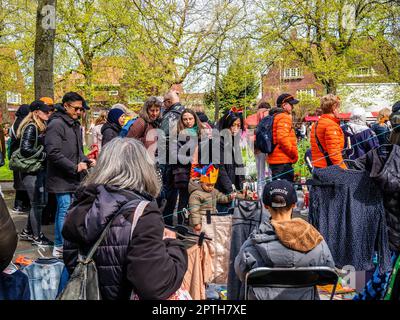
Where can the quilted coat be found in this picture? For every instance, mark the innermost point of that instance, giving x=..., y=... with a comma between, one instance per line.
x=154, y=268
x=331, y=137
x=285, y=140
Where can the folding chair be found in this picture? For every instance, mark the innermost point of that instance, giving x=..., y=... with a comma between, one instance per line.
x=291, y=278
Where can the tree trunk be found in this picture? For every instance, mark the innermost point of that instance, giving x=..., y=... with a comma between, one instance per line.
x=216, y=93
x=330, y=86
x=44, y=49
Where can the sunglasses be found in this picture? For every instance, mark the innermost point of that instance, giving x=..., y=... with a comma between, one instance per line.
x=76, y=108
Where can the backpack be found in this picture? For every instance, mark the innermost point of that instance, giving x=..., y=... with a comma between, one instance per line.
x=84, y=281
x=264, y=135
x=126, y=127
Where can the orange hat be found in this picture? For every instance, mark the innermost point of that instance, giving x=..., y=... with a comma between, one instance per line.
x=208, y=174
x=47, y=100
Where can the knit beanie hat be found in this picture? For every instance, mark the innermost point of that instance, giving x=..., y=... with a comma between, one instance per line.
x=114, y=115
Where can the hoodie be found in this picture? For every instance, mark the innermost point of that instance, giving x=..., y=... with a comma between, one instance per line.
x=283, y=244
x=201, y=201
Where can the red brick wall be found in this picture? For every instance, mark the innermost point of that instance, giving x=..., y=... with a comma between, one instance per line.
x=274, y=84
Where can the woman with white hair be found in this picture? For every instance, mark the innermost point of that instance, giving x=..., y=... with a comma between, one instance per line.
x=359, y=138
x=145, y=261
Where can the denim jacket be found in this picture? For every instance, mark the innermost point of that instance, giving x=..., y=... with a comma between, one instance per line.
x=44, y=278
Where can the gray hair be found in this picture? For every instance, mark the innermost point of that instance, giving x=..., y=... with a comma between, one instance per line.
x=125, y=163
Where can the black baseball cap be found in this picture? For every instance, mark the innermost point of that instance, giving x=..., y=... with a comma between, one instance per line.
x=286, y=97
x=85, y=105
x=39, y=105
x=282, y=188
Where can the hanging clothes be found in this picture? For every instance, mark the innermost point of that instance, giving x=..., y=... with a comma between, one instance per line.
x=383, y=166
x=44, y=278
x=247, y=217
x=219, y=229
x=200, y=270
x=347, y=209
x=14, y=285
x=376, y=288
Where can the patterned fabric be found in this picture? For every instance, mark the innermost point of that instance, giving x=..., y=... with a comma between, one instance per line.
x=353, y=218
x=376, y=288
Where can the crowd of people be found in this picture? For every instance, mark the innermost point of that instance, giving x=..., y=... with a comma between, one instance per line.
x=184, y=168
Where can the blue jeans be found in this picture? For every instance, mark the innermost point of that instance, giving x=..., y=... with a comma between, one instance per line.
x=63, y=203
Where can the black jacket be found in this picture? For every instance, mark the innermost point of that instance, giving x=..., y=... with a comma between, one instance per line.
x=109, y=132
x=21, y=113
x=8, y=236
x=29, y=138
x=384, y=169
x=153, y=267
x=63, y=144
x=230, y=170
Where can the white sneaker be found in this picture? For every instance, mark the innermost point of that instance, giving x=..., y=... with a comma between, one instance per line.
x=58, y=252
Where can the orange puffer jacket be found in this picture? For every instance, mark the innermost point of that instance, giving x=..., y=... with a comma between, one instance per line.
x=331, y=137
x=285, y=140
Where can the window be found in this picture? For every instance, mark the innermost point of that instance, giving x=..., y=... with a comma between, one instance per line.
x=363, y=72
x=13, y=98
x=292, y=73
x=113, y=92
x=310, y=92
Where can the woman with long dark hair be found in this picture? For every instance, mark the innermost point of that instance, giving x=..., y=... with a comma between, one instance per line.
x=188, y=135
x=231, y=168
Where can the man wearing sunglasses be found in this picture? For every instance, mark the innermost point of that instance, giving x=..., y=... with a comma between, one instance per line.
x=285, y=153
x=67, y=164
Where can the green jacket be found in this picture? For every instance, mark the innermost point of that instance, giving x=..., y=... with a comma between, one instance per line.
x=200, y=201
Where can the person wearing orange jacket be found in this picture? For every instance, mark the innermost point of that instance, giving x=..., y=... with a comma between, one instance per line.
x=328, y=142
x=285, y=153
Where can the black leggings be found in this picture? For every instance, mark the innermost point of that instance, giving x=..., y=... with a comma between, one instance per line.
x=35, y=186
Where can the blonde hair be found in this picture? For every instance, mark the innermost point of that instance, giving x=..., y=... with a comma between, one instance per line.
x=31, y=118
x=101, y=119
x=328, y=102
x=383, y=115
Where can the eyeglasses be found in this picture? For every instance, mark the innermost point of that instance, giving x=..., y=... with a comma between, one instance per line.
x=76, y=108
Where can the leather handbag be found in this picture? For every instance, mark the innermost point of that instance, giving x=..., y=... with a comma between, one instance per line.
x=31, y=164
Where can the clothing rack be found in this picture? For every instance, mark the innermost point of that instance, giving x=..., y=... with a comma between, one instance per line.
x=183, y=230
